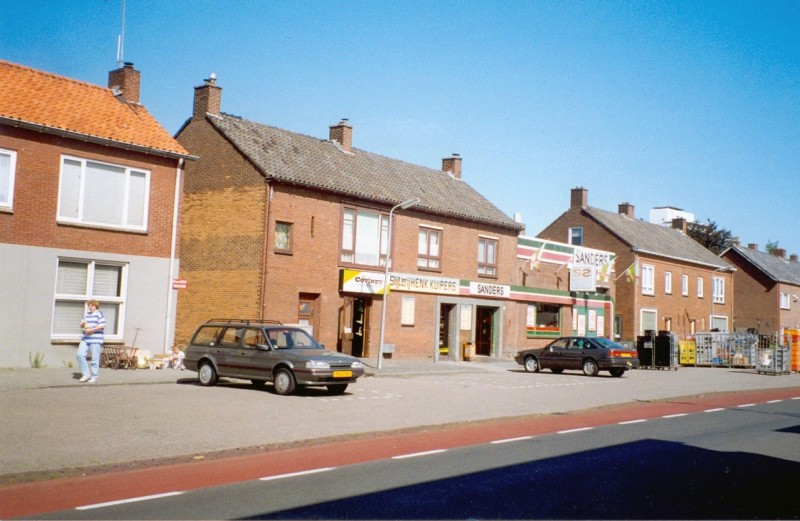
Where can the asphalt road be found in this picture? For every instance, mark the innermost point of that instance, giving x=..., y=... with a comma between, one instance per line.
x=60, y=427
x=739, y=461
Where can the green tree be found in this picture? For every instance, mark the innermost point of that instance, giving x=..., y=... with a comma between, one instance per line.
x=771, y=246
x=715, y=239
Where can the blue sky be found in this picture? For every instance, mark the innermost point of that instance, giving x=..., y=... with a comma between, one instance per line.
x=694, y=104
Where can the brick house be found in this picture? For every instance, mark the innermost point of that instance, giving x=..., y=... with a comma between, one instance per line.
x=89, y=188
x=279, y=225
x=675, y=284
x=767, y=289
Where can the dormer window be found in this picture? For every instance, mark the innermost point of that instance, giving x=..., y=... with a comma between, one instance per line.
x=575, y=236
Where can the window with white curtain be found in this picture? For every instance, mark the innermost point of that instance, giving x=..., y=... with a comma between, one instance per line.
x=80, y=280
x=8, y=166
x=364, y=237
x=648, y=280
x=103, y=194
x=429, y=255
x=718, y=290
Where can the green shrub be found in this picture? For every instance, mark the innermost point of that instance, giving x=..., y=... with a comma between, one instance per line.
x=37, y=360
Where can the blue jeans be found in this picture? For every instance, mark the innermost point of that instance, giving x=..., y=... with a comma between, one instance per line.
x=83, y=349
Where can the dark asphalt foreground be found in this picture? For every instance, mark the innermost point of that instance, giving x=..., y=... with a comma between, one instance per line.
x=55, y=426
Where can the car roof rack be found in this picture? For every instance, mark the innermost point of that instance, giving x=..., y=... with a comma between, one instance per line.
x=247, y=321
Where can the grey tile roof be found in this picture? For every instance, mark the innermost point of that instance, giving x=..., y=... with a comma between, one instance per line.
x=318, y=163
x=776, y=268
x=663, y=241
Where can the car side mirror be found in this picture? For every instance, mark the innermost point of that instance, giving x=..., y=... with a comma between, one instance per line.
x=262, y=347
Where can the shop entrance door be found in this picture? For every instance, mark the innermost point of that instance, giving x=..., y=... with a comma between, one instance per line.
x=446, y=343
x=354, y=326
x=484, y=330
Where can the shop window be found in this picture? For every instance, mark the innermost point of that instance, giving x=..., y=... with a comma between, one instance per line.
x=648, y=320
x=544, y=320
x=487, y=257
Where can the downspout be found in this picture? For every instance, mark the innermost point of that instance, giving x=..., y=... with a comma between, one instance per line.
x=172, y=248
x=268, y=210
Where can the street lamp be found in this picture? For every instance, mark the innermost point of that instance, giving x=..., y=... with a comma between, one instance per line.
x=404, y=205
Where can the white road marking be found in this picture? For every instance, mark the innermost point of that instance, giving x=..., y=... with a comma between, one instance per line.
x=775, y=401
x=417, y=454
x=293, y=474
x=510, y=440
x=130, y=500
x=569, y=431
x=632, y=421
x=747, y=405
x=675, y=415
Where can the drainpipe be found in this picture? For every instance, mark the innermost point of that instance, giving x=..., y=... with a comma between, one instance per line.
x=268, y=203
x=171, y=292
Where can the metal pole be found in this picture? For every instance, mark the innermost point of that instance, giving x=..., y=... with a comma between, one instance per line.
x=404, y=205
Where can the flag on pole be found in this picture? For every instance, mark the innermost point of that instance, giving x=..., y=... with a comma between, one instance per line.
x=537, y=257
x=633, y=271
x=604, y=273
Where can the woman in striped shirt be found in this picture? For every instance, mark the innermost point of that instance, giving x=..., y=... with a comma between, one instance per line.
x=94, y=322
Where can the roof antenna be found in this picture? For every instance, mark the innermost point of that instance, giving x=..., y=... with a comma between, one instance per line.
x=121, y=39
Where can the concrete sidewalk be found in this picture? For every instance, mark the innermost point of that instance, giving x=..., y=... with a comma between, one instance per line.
x=29, y=378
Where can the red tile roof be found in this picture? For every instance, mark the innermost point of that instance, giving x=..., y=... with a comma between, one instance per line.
x=30, y=97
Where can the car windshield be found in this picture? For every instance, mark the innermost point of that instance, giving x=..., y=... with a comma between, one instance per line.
x=607, y=344
x=287, y=338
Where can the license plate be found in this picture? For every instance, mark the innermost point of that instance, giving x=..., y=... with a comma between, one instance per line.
x=342, y=374
x=626, y=355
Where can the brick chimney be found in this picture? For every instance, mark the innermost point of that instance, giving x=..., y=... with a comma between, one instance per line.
x=342, y=133
x=126, y=81
x=679, y=223
x=626, y=209
x=578, y=197
x=207, y=98
x=752, y=246
x=452, y=164
x=779, y=252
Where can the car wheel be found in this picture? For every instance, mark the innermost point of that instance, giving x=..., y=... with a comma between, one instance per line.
x=207, y=374
x=557, y=371
x=258, y=383
x=616, y=372
x=590, y=367
x=284, y=382
x=531, y=364
x=337, y=388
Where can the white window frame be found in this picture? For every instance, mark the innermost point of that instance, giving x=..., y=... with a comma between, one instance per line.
x=358, y=247
x=575, y=234
x=649, y=311
x=8, y=204
x=668, y=282
x=786, y=300
x=718, y=290
x=648, y=279
x=426, y=260
x=685, y=285
x=124, y=197
x=487, y=256
x=114, y=329
x=699, y=287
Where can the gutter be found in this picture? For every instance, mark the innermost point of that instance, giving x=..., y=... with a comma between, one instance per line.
x=37, y=127
x=724, y=266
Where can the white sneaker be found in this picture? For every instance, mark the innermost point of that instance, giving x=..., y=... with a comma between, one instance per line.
x=92, y=380
x=85, y=379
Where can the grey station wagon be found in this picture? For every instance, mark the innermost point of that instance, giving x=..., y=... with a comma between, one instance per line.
x=264, y=352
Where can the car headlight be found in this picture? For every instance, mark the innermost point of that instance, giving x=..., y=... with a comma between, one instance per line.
x=317, y=364
x=357, y=365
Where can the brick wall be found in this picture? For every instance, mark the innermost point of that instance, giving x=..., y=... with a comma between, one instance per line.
x=36, y=185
